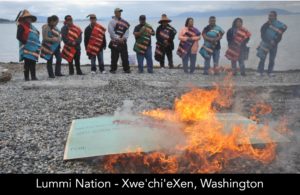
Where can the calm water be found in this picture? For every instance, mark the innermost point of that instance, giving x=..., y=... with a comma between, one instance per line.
x=288, y=53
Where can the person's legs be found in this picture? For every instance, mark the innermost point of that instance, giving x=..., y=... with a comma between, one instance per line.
x=148, y=57
x=206, y=65
x=77, y=63
x=50, y=68
x=124, y=57
x=26, y=69
x=185, y=61
x=233, y=66
x=193, y=62
x=272, y=57
x=93, y=64
x=170, y=58
x=140, y=59
x=114, y=59
x=242, y=67
x=32, y=70
x=71, y=68
x=261, y=65
x=101, y=61
x=216, y=57
x=57, y=55
x=162, y=61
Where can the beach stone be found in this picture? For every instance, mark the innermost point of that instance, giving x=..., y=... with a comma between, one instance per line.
x=35, y=122
x=5, y=75
x=159, y=84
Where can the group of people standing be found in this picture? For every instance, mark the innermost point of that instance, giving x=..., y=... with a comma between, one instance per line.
x=118, y=28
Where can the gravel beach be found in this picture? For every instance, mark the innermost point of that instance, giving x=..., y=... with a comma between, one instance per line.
x=35, y=116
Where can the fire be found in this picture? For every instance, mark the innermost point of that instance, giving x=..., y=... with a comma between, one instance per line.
x=208, y=148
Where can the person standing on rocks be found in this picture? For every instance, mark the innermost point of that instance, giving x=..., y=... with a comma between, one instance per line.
x=118, y=29
x=51, y=46
x=165, y=35
x=95, y=43
x=271, y=34
x=238, y=37
x=189, y=37
x=212, y=34
x=72, y=37
x=29, y=43
x=142, y=46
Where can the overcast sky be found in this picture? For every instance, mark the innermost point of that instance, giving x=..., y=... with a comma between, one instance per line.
x=132, y=9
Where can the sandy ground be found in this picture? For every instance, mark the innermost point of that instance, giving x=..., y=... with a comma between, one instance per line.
x=35, y=116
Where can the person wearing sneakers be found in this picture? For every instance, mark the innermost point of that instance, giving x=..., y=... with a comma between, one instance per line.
x=95, y=43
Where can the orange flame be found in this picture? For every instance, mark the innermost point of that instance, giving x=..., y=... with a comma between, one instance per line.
x=208, y=148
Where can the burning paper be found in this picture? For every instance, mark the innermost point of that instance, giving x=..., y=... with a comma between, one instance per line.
x=113, y=135
x=193, y=136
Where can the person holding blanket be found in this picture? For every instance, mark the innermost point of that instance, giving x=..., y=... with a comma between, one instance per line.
x=29, y=43
x=95, y=43
x=72, y=37
x=212, y=34
x=118, y=29
x=142, y=46
x=271, y=34
x=188, y=46
x=237, y=37
x=165, y=35
x=51, y=46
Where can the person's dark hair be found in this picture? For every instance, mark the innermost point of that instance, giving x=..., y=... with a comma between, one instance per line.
x=142, y=18
x=53, y=18
x=49, y=19
x=68, y=16
x=235, y=21
x=187, y=21
x=274, y=12
x=212, y=17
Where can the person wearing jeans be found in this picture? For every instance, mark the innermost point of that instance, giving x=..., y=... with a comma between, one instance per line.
x=51, y=46
x=271, y=39
x=148, y=56
x=212, y=27
x=100, y=62
x=272, y=56
x=57, y=71
x=143, y=33
x=237, y=37
x=215, y=56
x=189, y=37
x=95, y=43
x=185, y=60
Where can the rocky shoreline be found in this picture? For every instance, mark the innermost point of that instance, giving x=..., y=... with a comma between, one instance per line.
x=35, y=116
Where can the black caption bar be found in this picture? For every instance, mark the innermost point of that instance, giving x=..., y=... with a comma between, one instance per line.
x=150, y=182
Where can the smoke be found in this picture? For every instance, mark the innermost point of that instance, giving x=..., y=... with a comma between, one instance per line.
x=125, y=110
x=157, y=135
x=288, y=160
x=283, y=119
